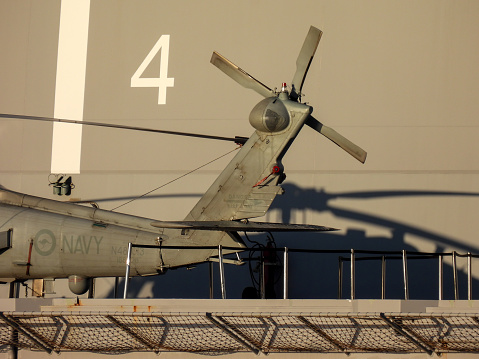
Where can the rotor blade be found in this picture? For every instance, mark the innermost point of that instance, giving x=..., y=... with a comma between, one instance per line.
x=229, y=226
x=354, y=150
x=304, y=60
x=237, y=139
x=240, y=76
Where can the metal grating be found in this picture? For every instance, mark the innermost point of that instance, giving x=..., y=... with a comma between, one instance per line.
x=110, y=332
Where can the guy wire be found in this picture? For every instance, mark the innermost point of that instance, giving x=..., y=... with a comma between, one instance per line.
x=176, y=179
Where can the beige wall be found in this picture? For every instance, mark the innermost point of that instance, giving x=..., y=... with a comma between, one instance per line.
x=398, y=78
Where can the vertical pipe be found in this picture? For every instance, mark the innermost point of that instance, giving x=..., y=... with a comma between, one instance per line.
x=13, y=348
x=261, y=279
x=127, y=274
x=405, y=276
x=454, y=268
x=14, y=290
x=340, y=277
x=222, y=271
x=115, y=288
x=14, y=293
x=441, y=281
x=91, y=290
x=353, y=287
x=285, y=273
x=469, y=276
x=383, y=277
x=211, y=279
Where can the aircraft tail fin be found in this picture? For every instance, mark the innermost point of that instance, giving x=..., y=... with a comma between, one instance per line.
x=248, y=185
x=250, y=182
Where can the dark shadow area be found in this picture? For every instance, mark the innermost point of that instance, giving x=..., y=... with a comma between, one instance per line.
x=313, y=275
x=422, y=273
x=188, y=283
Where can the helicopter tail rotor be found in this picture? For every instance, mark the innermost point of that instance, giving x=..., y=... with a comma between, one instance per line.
x=303, y=62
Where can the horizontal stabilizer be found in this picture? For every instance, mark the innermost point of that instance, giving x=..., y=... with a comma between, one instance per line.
x=230, y=226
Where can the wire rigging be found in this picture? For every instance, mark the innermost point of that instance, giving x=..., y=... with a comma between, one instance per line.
x=237, y=139
x=176, y=179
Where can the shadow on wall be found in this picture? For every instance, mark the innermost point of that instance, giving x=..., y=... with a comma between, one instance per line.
x=313, y=275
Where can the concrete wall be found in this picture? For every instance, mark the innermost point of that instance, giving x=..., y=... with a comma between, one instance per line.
x=370, y=330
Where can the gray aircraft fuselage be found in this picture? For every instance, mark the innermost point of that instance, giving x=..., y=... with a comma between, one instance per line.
x=56, y=239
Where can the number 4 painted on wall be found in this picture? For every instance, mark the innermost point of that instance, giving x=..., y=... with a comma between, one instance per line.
x=161, y=82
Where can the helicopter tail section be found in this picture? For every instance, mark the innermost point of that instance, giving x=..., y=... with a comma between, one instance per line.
x=250, y=182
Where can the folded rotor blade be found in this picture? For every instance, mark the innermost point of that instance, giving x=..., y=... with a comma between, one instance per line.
x=240, y=76
x=354, y=150
x=304, y=60
x=237, y=139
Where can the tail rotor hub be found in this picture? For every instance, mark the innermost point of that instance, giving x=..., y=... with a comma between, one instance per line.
x=269, y=115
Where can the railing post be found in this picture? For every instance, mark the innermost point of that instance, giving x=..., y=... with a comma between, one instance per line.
x=340, y=277
x=211, y=279
x=454, y=268
x=127, y=274
x=405, y=276
x=469, y=276
x=262, y=287
x=115, y=288
x=222, y=271
x=441, y=281
x=285, y=273
x=353, y=287
x=383, y=277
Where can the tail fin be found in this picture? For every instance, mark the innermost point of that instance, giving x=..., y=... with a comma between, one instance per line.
x=250, y=182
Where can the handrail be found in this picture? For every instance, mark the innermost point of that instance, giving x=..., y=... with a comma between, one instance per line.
x=353, y=258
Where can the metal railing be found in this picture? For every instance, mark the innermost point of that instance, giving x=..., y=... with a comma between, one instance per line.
x=352, y=257
x=405, y=256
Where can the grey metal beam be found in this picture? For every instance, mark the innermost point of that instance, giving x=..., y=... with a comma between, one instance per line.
x=133, y=334
x=421, y=345
x=17, y=326
x=322, y=333
x=233, y=334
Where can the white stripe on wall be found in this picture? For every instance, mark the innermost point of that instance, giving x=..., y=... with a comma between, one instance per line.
x=70, y=85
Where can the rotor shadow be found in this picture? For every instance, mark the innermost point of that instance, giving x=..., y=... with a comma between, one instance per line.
x=422, y=273
x=316, y=275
